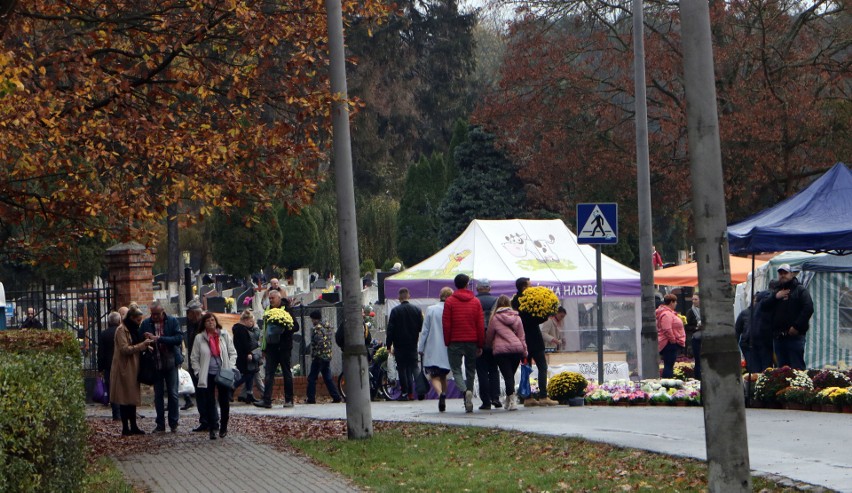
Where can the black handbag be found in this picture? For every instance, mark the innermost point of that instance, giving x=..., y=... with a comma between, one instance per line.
x=147, y=368
x=228, y=377
x=421, y=384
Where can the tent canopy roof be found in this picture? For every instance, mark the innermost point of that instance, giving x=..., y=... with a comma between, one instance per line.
x=687, y=274
x=829, y=263
x=817, y=219
x=501, y=251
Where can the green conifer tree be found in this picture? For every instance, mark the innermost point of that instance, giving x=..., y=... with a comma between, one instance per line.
x=486, y=186
x=241, y=247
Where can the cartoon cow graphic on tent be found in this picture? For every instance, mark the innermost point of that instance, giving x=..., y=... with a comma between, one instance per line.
x=521, y=245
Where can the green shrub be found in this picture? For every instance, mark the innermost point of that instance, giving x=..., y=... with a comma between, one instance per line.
x=388, y=265
x=42, y=412
x=368, y=266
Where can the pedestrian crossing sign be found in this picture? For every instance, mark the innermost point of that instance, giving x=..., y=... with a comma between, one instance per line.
x=597, y=224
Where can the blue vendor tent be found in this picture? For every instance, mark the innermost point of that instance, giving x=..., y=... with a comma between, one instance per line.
x=817, y=219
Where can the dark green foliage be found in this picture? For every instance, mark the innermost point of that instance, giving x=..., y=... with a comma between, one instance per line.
x=324, y=213
x=377, y=227
x=418, y=224
x=486, y=186
x=460, y=131
x=42, y=412
x=388, y=265
x=367, y=266
x=301, y=240
x=414, y=75
x=242, y=249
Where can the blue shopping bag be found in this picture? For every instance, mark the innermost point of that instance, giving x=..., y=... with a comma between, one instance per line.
x=524, y=384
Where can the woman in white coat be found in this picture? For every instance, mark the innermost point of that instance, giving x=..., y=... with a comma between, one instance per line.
x=213, y=350
x=433, y=351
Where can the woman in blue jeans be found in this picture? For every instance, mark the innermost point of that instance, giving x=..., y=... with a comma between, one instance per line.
x=671, y=336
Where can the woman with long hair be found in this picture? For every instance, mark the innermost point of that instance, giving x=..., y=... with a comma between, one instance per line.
x=212, y=351
x=505, y=337
x=124, y=372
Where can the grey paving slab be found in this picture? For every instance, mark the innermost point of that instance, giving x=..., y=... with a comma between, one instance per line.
x=233, y=464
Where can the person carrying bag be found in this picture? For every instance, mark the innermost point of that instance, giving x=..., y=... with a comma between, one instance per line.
x=214, y=360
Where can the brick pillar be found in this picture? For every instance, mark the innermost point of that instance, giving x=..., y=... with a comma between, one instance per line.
x=130, y=267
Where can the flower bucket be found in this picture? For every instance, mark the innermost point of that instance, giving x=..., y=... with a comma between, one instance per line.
x=680, y=403
x=830, y=408
x=847, y=409
x=576, y=401
x=756, y=404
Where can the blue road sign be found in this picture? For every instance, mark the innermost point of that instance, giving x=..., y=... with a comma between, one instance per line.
x=597, y=224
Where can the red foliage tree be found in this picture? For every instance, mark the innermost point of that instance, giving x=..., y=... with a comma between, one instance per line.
x=564, y=105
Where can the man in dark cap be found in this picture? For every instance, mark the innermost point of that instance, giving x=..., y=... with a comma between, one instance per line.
x=791, y=307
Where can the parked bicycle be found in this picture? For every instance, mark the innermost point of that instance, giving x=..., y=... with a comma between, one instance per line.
x=383, y=384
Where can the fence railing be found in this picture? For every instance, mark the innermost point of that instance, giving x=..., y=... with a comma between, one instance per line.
x=82, y=310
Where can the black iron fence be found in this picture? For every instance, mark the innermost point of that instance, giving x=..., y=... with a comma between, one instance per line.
x=82, y=310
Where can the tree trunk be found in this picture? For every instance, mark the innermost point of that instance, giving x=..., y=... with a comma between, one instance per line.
x=359, y=419
x=173, y=251
x=721, y=383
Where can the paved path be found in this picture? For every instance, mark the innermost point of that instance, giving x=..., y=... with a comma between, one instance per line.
x=237, y=463
x=804, y=446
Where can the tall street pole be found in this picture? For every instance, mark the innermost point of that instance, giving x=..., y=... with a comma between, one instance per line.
x=359, y=419
x=721, y=382
x=650, y=364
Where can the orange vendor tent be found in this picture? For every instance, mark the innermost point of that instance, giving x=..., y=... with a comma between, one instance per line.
x=687, y=274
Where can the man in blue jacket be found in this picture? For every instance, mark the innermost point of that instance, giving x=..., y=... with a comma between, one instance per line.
x=165, y=330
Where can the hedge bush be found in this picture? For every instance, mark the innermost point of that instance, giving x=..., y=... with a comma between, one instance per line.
x=42, y=412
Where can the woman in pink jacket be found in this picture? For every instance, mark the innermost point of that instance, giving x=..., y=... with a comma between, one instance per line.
x=505, y=337
x=670, y=334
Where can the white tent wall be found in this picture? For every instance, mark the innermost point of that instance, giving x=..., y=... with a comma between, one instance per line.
x=828, y=343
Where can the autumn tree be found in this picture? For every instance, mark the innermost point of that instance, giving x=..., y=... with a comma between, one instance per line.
x=486, y=187
x=112, y=112
x=563, y=105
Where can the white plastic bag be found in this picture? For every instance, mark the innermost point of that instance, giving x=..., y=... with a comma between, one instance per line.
x=185, y=382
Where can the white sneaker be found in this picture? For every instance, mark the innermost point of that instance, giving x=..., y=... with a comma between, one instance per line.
x=513, y=403
x=468, y=401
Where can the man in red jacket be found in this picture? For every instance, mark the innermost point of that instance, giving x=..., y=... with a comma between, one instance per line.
x=464, y=335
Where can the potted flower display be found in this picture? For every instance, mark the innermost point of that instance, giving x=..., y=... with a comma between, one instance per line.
x=597, y=395
x=830, y=378
x=567, y=387
x=278, y=322
x=770, y=382
x=832, y=399
x=539, y=301
x=381, y=355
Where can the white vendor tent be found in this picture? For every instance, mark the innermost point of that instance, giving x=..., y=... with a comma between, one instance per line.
x=547, y=252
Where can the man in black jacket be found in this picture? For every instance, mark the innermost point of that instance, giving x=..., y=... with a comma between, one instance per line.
x=106, y=349
x=791, y=307
x=404, y=325
x=535, y=344
x=486, y=366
